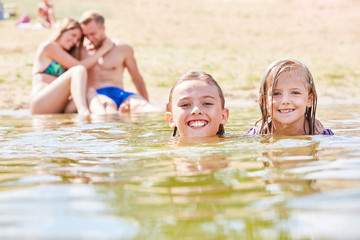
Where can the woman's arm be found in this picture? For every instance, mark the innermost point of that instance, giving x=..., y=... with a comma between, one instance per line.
x=55, y=52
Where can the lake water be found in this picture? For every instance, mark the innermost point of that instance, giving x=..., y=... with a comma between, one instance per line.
x=127, y=178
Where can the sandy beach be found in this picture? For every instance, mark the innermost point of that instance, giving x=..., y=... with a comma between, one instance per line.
x=232, y=40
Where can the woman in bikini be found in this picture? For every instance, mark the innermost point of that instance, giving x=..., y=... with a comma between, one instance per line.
x=59, y=77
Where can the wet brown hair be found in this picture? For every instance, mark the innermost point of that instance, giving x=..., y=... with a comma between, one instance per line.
x=198, y=76
x=269, y=81
x=65, y=25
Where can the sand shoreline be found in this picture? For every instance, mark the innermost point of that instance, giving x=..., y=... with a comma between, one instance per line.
x=235, y=44
x=16, y=100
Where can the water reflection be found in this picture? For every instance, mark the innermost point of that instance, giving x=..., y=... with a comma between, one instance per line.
x=63, y=120
x=199, y=165
x=284, y=152
x=126, y=177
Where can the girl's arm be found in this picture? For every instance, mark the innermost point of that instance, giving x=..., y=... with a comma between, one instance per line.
x=58, y=54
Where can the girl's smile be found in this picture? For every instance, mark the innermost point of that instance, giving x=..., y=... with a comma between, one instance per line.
x=286, y=110
x=197, y=123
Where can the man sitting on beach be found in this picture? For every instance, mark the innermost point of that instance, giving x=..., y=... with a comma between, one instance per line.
x=107, y=75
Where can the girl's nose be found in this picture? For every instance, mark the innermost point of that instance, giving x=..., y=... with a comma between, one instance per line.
x=285, y=99
x=196, y=110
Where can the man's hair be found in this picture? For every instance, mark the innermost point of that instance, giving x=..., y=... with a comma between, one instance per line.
x=89, y=16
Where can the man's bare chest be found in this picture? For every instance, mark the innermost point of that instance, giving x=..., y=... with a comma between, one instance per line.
x=110, y=61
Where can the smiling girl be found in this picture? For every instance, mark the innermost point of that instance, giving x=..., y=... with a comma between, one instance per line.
x=197, y=106
x=59, y=75
x=288, y=101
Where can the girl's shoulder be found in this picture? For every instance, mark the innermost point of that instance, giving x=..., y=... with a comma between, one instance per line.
x=252, y=131
x=320, y=129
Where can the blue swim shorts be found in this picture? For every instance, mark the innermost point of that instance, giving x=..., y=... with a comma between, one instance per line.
x=115, y=93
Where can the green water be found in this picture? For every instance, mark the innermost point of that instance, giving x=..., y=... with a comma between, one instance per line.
x=126, y=178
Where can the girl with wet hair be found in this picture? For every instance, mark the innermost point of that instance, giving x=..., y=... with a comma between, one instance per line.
x=196, y=106
x=288, y=101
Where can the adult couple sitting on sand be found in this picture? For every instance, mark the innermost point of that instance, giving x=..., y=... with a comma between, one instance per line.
x=70, y=77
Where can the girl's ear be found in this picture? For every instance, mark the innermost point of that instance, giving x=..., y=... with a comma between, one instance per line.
x=169, y=119
x=310, y=100
x=224, y=116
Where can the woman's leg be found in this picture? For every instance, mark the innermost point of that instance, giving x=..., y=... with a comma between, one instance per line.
x=70, y=107
x=55, y=96
x=79, y=89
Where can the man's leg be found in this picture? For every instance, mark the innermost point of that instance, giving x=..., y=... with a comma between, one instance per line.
x=137, y=104
x=101, y=104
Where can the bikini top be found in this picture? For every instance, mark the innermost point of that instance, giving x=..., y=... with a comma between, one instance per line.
x=54, y=69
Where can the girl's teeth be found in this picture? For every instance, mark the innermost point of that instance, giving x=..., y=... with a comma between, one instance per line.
x=285, y=111
x=197, y=124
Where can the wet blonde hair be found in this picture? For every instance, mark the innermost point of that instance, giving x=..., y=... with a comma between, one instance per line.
x=198, y=76
x=65, y=25
x=269, y=81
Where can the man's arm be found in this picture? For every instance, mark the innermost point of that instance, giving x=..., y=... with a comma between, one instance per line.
x=130, y=64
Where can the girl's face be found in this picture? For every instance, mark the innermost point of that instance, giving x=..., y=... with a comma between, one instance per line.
x=287, y=103
x=69, y=38
x=196, y=109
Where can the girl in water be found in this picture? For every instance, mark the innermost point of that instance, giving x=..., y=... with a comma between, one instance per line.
x=288, y=101
x=197, y=106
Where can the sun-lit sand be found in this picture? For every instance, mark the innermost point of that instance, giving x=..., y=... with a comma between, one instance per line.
x=234, y=40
